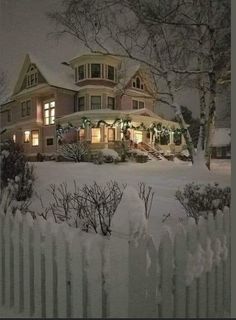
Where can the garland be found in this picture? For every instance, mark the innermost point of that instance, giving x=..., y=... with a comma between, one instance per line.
x=125, y=124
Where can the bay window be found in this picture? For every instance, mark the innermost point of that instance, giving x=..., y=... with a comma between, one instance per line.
x=95, y=102
x=81, y=104
x=111, y=103
x=95, y=70
x=81, y=72
x=111, y=73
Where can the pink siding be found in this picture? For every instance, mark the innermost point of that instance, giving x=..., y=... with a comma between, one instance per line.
x=64, y=103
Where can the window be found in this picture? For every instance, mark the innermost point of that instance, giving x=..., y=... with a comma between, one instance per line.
x=14, y=138
x=164, y=139
x=111, y=73
x=49, y=112
x=26, y=136
x=134, y=84
x=8, y=115
x=81, y=72
x=95, y=70
x=138, y=104
x=49, y=141
x=35, y=138
x=111, y=134
x=81, y=104
x=96, y=135
x=138, y=82
x=177, y=139
x=32, y=77
x=25, y=108
x=111, y=103
x=95, y=102
x=81, y=135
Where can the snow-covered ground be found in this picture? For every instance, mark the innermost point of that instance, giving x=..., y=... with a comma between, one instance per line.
x=165, y=178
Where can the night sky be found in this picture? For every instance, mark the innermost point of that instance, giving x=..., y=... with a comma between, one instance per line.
x=26, y=28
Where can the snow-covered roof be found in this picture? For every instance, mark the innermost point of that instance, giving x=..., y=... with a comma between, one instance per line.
x=221, y=137
x=56, y=74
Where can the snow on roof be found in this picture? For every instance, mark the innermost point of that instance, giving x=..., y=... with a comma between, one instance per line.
x=57, y=74
x=221, y=137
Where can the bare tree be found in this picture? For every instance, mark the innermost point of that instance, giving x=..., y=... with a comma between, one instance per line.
x=177, y=39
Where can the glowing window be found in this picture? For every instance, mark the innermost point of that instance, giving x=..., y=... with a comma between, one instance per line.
x=26, y=136
x=111, y=134
x=96, y=135
x=49, y=112
x=35, y=138
x=14, y=137
x=81, y=134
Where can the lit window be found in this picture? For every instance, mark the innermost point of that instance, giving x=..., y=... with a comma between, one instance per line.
x=111, y=103
x=95, y=102
x=49, y=141
x=26, y=136
x=81, y=134
x=81, y=72
x=96, y=135
x=35, y=138
x=95, y=70
x=111, y=134
x=111, y=73
x=81, y=104
x=14, y=138
x=49, y=112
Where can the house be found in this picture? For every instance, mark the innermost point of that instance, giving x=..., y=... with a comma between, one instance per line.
x=221, y=143
x=106, y=99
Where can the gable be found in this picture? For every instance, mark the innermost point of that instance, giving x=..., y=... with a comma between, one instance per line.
x=31, y=76
x=140, y=82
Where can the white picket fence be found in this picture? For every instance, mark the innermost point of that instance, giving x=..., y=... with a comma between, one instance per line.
x=46, y=271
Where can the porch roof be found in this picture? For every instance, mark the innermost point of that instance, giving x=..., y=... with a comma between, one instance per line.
x=142, y=115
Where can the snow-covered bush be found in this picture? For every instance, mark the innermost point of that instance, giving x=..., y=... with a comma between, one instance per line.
x=16, y=171
x=90, y=207
x=107, y=156
x=198, y=200
x=76, y=151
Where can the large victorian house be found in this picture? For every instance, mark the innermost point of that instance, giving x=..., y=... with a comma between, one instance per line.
x=93, y=93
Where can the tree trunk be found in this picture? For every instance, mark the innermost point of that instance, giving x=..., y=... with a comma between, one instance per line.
x=211, y=119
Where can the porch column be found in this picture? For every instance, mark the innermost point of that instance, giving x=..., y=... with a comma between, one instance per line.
x=171, y=138
x=150, y=137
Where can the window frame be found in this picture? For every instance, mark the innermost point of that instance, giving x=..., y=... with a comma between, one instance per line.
x=50, y=110
x=46, y=139
x=108, y=68
x=114, y=134
x=138, y=104
x=108, y=104
x=78, y=72
x=32, y=77
x=33, y=138
x=78, y=105
x=92, y=135
x=28, y=135
x=92, y=71
x=91, y=98
x=25, y=108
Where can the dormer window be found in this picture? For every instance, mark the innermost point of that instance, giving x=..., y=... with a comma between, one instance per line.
x=95, y=70
x=137, y=83
x=32, y=77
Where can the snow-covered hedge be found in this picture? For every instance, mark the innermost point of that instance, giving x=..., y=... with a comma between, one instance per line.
x=76, y=151
x=198, y=199
x=107, y=156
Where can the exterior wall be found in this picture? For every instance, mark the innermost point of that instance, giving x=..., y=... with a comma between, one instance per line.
x=64, y=102
x=125, y=102
x=94, y=82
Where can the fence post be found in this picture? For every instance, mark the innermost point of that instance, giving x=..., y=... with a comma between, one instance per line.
x=166, y=281
x=227, y=260
x=219, y=266
x=202, y=281
x=37, y=240
x=180, y=254
x=211, y=275
x=76, y=277
x=192, y=242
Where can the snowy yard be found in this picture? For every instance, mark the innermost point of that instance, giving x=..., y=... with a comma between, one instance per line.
x=165, y=177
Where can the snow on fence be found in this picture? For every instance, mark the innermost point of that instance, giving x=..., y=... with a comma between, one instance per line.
x=46, y=271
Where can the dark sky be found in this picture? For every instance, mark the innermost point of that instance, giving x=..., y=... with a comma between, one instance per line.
x=24, y=27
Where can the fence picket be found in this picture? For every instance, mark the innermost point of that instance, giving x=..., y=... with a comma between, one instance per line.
x=93, y=274
x=219, y=267
x=61, y=256
x=137, y=278
x=180, y=254
x=192, y=288
x=166, y=281
x=202, y=282
x=48, y=278
x=26, y=266
x=227, y=261
x=211, y=276
x=37, y=270
x=6, y=234
x=16, y=253
x=2, y=260
x=76, y=278
x=119, y=277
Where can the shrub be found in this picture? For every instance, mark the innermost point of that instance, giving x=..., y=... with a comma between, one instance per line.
x=76, y=151
x=141, y=158
x=200, y=199
x=16, y=171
